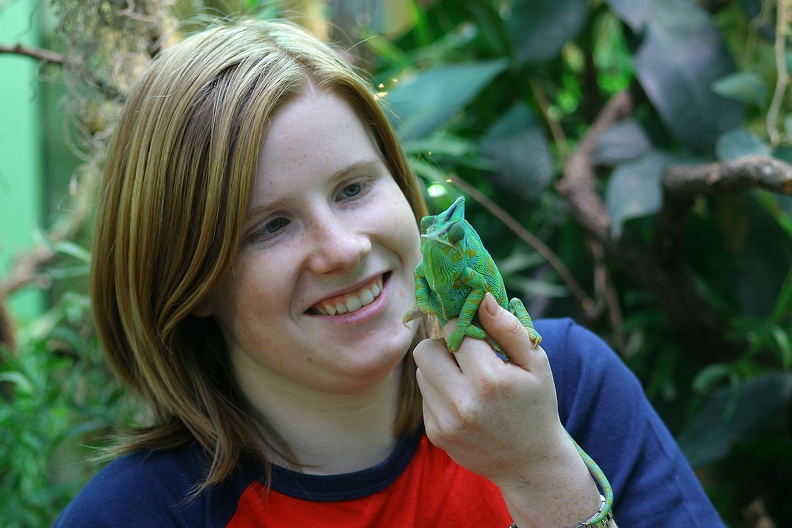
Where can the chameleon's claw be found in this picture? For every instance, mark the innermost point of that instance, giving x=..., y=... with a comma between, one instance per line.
x=413, y=314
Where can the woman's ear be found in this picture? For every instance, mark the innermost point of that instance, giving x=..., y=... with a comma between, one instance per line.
x=205, y=306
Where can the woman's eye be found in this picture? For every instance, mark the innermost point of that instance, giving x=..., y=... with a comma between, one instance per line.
x=352, y=190
x=268, y=230
x=273, y=226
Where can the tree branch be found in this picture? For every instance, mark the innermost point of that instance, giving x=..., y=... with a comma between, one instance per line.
x=729, y=176
x=578, y=186
x=578, y=181
x=682, y=183
x=660, y=269
x=35, y=53
x=25, y=270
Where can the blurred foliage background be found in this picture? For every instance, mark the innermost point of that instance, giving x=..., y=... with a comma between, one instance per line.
x=626, y=162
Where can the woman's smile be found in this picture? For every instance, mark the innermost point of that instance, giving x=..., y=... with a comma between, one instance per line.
x=352, y=301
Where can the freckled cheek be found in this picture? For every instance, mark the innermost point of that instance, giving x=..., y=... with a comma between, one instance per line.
x=261, y=290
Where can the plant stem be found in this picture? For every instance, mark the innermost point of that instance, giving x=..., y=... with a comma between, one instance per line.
x=782, y=16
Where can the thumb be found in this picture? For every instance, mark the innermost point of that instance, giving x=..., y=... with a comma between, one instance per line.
x=505, y=328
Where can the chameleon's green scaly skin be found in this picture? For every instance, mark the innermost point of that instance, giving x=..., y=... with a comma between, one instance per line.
x=455, y=273
x=451, y=280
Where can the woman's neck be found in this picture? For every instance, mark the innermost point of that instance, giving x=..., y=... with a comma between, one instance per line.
x=332, y=433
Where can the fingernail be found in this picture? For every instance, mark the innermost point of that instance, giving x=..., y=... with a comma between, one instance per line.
x=490, y=304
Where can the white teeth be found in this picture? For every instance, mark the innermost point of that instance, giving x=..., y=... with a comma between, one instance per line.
x=366, y=297
x=353, y=302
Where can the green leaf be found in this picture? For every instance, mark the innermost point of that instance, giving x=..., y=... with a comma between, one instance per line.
x=429, y=99
x=70, y=248
x=23, y=383
x=745, y=87
x=710, y=377
x=527, y=288
x=538, y=29
x=440, y=143
x=623, y=141
x=725, y=419
x=517, y=144
x=491, y=24
x=633, y=12
x=428, y=171
x=681, y=55
x=739, y=142
x=633, y=189
x=781, y=338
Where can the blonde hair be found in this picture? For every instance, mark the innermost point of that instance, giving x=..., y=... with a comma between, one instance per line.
x=177, y=179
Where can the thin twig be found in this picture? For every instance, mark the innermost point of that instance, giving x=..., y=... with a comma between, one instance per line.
x=35, y=53
x=552, y=124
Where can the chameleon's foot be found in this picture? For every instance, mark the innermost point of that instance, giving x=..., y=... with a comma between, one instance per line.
x=518, y=309
x=455, y=339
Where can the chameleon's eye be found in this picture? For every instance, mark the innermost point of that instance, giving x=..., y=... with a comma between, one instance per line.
x=456, y=232
x=426, y=223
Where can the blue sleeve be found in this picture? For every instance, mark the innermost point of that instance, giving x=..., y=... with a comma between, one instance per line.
x=149, y=490
x=604, y=408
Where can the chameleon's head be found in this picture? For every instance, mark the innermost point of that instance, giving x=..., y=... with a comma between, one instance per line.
x=445, y=232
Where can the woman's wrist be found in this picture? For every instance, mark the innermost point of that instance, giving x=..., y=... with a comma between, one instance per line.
x=598, y=520
x=559, y=491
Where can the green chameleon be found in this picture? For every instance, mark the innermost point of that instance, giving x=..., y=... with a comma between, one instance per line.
x=451, y=281
x=455, y=273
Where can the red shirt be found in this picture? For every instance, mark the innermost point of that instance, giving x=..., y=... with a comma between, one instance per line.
x=432, y=491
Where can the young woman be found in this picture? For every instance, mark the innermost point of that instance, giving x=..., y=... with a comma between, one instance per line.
x=254, y=256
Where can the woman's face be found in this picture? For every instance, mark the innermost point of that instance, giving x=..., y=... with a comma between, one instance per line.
x=324, y=272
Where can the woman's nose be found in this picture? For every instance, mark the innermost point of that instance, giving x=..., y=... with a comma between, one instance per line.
x=338, y=245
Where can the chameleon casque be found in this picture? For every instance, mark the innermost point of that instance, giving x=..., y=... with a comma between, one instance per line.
x=451, y=280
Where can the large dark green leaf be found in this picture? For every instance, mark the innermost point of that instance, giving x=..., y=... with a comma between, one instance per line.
x=633, y=12
x=518, y=146
x=745, y=87
x=732, y=415
x=430, y=98
x=681, y=55
x=739, y=142
x=634, y=188
x=538, y=29
x=623, y=141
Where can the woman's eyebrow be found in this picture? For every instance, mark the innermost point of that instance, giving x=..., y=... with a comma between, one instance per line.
x=365, y=163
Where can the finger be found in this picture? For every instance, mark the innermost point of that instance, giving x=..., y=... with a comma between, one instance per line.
x=431, y=397
x=472, y=352
x=505, y=328
x=433, y=404
x=437, y=365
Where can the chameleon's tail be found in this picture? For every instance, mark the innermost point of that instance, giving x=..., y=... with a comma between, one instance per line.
x=602, y=482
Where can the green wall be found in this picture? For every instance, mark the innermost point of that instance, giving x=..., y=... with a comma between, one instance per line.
x=21, y=193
